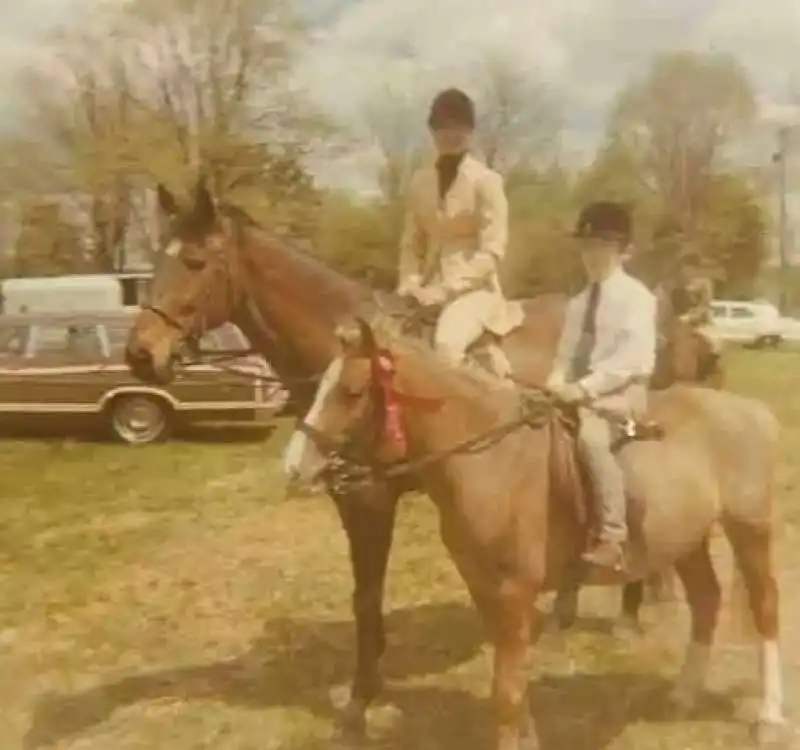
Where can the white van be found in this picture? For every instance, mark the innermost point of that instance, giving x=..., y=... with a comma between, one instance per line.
x=61, y=294
x=756, y=322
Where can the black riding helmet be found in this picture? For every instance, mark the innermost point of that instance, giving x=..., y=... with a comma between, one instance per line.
x=452, y=107
x=605, y=220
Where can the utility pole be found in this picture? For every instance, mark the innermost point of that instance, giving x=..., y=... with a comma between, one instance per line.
x=779, y=158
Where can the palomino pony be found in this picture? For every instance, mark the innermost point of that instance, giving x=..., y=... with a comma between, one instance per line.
x=219, y=266
x=507, y=512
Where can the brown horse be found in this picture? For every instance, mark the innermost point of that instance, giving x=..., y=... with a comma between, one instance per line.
x=507, y=511
x=219, y=266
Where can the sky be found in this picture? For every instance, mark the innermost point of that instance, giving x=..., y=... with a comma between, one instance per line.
x=584, y=50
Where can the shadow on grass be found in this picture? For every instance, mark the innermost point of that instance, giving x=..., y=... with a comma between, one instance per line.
x=578, y=712
x=295, y=663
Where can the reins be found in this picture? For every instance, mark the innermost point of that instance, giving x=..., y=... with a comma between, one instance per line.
x=347, y=469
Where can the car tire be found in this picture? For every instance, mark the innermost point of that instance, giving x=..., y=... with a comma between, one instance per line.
x=138, y=419
x=764, y=342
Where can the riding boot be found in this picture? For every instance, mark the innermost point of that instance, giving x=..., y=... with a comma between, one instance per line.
x=605, y=554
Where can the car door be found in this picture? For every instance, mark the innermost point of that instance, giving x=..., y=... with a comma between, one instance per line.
x=213, y=384
x=743, y=322
x=64, y=368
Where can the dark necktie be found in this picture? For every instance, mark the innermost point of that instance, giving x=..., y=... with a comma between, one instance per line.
x=583, y=352
x=447, y=170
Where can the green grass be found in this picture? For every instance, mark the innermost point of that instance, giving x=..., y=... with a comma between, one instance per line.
x=171, y=597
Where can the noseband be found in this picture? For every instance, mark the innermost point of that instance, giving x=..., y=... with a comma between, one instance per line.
x=189, y=349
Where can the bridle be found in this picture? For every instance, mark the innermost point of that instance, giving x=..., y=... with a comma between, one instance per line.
x=192, y=332
x=350, y=461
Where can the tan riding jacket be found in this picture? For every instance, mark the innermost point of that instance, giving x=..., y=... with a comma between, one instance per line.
x=458, y=242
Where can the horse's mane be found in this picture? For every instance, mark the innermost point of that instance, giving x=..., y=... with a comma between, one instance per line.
x=244, y=224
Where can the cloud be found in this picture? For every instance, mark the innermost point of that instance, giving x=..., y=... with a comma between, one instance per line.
x=24, y=27
x=586, y=50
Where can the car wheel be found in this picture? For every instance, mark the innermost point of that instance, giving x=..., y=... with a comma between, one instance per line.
x=137, y=419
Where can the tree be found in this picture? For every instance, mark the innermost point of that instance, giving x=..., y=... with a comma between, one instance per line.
x=393, y=124
x=47, y=244
x=518, y=120
x=732, y=233
x=356, y=239
x=541, y=255
x=676, y=124
x=152, y=92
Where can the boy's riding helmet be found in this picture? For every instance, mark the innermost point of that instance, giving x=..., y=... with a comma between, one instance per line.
x=604, y=220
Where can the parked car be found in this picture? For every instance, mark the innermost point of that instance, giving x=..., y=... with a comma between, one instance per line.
x=56, y=365
x=791, y=327
x=755, y=323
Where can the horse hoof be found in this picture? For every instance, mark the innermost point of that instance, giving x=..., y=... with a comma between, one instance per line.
x=626, y=627
x=772, y=736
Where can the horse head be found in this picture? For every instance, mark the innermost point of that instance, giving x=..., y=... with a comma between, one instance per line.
x=196, y=288
x=355, y=418
x=683, y=356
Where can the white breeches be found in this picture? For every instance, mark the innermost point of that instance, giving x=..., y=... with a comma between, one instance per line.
x=459, y=326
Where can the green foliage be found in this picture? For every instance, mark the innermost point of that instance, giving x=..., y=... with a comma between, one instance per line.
x=150, y=92
x=360, y=240
x=116, y=123
x=48, y=244
x=541, y=255
x=732, y=234
x=663, y=154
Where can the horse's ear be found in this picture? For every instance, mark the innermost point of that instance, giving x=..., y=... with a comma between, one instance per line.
x=166, y=201
x=368, y=343
x=204, y=208
x=356, y=337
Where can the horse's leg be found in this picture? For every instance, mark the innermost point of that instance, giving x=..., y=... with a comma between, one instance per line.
x=752, y=547
x=627, y=623
x=661, y=586
x=703, y=596
x=369, y=525
x=565, y=606
x=509, y=617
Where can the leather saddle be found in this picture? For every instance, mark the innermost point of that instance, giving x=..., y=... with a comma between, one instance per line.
x=419, y=321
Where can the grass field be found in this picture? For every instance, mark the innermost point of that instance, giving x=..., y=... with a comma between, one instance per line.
x=170, y=597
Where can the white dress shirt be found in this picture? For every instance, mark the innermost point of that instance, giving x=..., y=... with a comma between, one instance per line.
x=624, y=348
